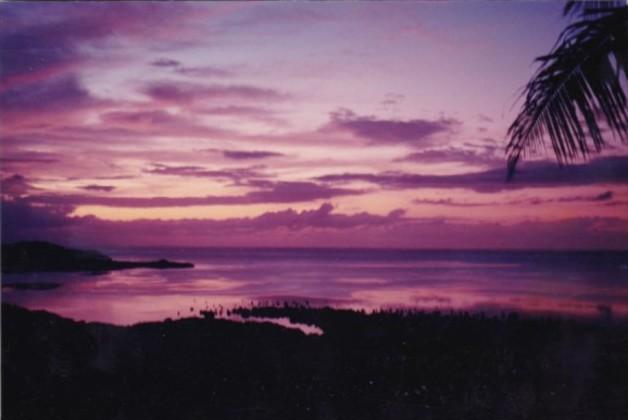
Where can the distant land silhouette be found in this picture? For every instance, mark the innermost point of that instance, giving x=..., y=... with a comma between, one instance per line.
x=34, y=256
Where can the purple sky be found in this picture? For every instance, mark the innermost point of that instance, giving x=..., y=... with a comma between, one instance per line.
x=287, y=124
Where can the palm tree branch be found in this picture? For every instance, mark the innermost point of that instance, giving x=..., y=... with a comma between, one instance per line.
x=577, y=80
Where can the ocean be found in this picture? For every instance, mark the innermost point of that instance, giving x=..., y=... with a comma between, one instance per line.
x=566, y=284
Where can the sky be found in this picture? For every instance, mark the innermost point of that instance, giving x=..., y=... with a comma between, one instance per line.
x=342, y=124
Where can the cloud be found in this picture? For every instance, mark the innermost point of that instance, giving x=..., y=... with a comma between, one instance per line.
x=203, y=71
x=234, y=174
x=449, y=202
x=54, y=39
x=382, y=131
x=321, y=227
x=319, y=218
x=145, y=117
x=58, y=95
x=268, y=192
x=486, y=157
x=602, y=197
x=38, y=51
x=103, y=178
x=617, y=203
x=33, y=111
x=241, y=111
x=196, y=71
x=22, y=221
x=16, y=186
x=151, y=122
x=605, y=196
x=25, y=219
x=397, y=213
x=295, y=191
x=100, y=188
x=165, y=62
x=607, y=170
x=392, y=99
x=247, y=113
x=250, y=154
x=29, y=157
x=185, y=93
x=273, y=19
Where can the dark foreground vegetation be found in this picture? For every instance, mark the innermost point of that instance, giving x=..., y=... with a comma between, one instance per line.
x=387, y=365
x=33, y=256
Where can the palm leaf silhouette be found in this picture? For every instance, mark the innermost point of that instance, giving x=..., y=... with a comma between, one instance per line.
x=577, y=94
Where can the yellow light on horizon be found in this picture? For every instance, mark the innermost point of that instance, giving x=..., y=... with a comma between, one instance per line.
x=178, y=213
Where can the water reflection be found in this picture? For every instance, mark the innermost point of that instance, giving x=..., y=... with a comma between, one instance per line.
x=581, y=284
x=281, y=321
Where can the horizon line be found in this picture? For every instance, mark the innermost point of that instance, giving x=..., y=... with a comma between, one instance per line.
x=331, y=248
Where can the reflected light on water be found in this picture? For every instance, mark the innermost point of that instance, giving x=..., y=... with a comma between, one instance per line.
x=546, y=284
x=281, y=321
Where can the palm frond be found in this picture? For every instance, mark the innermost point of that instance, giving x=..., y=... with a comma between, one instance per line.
x=579, y=7
x=577, y=94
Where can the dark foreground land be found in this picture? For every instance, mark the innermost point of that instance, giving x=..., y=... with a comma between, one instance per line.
x=37, y=256
x=380, y=366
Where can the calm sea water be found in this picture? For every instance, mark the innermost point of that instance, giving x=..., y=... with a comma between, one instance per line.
x=560, y=283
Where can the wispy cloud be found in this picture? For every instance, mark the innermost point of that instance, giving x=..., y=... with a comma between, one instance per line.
x=56, y=96
x=249, y=154
x=165, y=62
x=608, y=170
x=29, y=157
x=49, y=40
x=151, y=122
x=388, y=131
x=233, y=174
x=204, y=71
x=186, y=92
x=450, y=202
x=457, y=155
x=197, y=71
x=98, y=188
x=268, y=192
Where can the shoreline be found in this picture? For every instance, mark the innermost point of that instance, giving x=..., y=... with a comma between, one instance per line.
x=601, y=315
